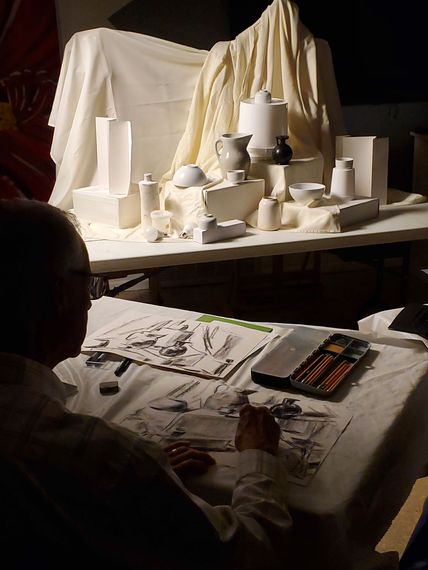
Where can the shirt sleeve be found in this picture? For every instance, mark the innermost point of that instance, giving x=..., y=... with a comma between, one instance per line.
x=258, y=522
x=256, y=526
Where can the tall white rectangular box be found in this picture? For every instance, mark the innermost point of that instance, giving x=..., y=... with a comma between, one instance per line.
x=370, y=154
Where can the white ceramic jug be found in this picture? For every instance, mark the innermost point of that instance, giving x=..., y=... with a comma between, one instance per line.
x=234, y=155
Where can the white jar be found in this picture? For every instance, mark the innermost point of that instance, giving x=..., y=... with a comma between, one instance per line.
x=343, y=180
x=269, y=214
x=149, y=199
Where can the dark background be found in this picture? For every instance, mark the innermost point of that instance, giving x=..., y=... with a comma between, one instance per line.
x=378, y=50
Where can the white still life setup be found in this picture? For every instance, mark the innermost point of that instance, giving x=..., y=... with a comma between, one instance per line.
x=110, y=201
x=242, y=122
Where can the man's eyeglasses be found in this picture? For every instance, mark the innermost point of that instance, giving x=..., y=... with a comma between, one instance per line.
x=98, y=285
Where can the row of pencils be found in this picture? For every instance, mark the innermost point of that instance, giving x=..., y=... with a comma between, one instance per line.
x=324, y=372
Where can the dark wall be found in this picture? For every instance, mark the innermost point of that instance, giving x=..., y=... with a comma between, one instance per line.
x=378, y=50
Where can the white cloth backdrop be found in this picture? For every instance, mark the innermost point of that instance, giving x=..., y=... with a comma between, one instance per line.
x=180, y=99
x=128, y=76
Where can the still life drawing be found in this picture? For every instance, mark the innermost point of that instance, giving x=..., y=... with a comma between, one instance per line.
x=207, y=413
x=210, y=349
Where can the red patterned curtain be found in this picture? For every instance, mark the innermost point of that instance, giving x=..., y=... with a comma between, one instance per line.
x=29, y=68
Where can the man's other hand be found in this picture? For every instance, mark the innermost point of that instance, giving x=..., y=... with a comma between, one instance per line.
x=186, y=460
x=257, y=429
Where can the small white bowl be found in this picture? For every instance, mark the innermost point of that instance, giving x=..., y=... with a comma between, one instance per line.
x=189, y=175
x=305, y=192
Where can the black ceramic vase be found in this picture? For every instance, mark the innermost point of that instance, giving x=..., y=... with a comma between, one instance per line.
x=282, y=152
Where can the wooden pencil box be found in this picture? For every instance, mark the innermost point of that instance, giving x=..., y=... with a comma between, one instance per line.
x=309, y=361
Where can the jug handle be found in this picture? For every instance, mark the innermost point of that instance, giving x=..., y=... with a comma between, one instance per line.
x=216, y=147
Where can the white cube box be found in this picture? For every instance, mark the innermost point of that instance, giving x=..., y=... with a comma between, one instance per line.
x=96, y=204
x=234, y=201
x=278, y=177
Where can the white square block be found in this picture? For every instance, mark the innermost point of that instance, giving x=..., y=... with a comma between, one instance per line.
x=278, y=177
x=96, y=204
x=229, y=201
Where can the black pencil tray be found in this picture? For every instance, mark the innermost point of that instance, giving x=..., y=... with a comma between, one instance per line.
x=284, y=366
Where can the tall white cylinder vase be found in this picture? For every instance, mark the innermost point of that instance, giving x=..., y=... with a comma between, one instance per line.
x=149, y=199
x=343, y=180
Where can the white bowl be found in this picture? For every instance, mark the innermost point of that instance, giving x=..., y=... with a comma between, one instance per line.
x=305, y=192
x=189, y=175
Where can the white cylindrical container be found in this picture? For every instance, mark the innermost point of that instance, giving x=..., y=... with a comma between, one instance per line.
x=265, y=118
x=149, y=199
x=343, y=179
x=269, y=214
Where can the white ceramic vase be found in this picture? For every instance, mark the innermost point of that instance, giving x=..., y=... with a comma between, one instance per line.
x=149, y=199
x=269, y=214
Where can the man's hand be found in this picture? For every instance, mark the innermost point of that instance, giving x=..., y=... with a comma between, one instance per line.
x=186, y=460
x=257, y=429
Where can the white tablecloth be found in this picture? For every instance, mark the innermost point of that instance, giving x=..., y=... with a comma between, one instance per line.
x=360, y=486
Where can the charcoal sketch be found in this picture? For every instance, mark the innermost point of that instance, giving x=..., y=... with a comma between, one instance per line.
x=210, y=349
x=206, y=413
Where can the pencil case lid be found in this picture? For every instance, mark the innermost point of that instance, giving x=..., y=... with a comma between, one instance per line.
x=275, y=368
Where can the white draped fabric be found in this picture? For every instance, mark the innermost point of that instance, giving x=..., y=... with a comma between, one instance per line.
x=128, y=76
x=180, y=99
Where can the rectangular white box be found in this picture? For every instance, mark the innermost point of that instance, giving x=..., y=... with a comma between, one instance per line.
x=114, y=146
x=96, y=204
x=357, y=211
x=225, y=230
x=370, y=156
x=229, y=201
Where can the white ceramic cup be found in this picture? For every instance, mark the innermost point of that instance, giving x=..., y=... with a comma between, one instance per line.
x=269, y=214
x=161, y=220
x=235, y=175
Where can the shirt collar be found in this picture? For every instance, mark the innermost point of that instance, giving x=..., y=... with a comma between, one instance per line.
x=18, y=370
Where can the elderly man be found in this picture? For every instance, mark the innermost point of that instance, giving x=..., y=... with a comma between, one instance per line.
x=121, y=503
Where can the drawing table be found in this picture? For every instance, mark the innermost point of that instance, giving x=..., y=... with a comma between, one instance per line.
x=361, y=485
x=120, y=258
